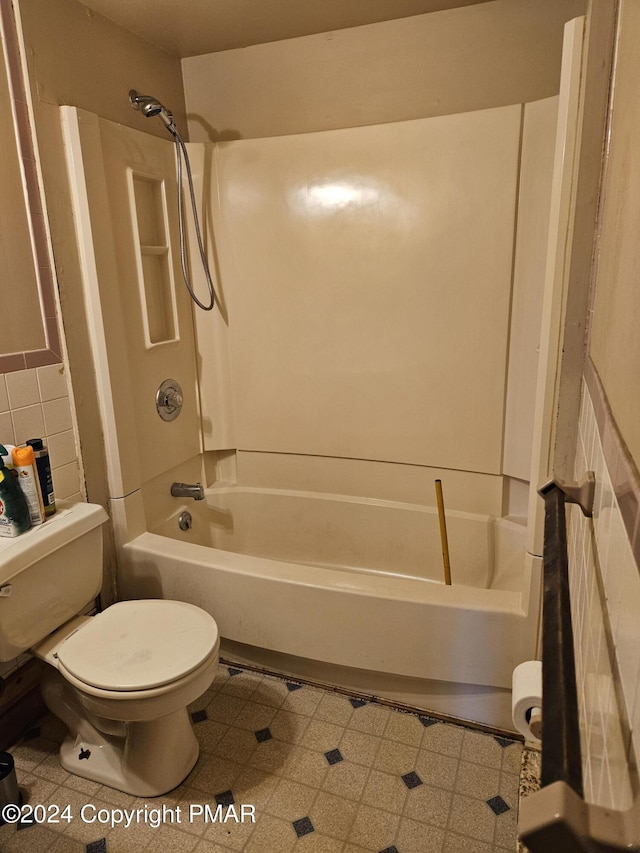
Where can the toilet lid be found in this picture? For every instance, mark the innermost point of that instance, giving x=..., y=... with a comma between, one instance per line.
x=137, y=645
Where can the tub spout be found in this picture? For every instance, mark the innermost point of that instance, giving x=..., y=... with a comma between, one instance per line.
x=188, y=490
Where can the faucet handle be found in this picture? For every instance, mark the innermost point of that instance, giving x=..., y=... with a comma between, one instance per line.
x=169, y=399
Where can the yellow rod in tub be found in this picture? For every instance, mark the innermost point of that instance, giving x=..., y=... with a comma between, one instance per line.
x=443, y=533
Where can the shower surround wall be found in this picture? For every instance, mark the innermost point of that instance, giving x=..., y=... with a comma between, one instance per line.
x=365, y=286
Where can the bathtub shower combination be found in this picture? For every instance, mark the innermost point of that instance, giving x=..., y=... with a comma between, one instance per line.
x=346, y=337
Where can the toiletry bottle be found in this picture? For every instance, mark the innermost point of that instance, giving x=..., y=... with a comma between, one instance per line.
x=43, y=468
x=14, y=511
x=25, y=464
x=5, y=452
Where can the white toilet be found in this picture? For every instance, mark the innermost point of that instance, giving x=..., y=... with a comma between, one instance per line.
x=121, y=680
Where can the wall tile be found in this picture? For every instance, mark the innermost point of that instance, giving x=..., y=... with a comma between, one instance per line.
x=6, y=428
x=52, y=381
x=62, y=449
x=22, y=388
x=605, y=600
x=57, y=416
x=28, y=422
x=4, y=397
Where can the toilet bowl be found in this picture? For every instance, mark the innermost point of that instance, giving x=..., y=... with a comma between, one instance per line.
x=121, y=682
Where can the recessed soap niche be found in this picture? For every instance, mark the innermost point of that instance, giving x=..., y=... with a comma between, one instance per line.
x=153, y=255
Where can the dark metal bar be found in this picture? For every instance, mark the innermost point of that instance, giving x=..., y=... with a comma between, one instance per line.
x=561, y=761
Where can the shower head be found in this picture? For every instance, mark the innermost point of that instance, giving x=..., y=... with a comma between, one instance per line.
x=150, y=106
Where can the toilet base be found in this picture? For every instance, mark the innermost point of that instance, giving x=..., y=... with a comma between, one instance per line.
x=145, y=759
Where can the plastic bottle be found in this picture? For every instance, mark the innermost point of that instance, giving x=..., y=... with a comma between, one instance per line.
x=5, y=452
x=43, y=467
x=25, y=464
x=15, y=517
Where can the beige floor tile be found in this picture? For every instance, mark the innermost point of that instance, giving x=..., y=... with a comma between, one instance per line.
x=243, y=685
x=305, y=765
x=172, y=840
x=271, y=756
x=35, y=839
x=255, y=787
x=333, y=815
x=291, y=800
x=481, y=748
x=31, y=753
x=512, y=758
x=36, y=790
x=314, y=842
x=359, y=747
x=374, y=829
x=346, y=780
x=334, y=708
x=428, y=805
x=321, y=735
x=288, y=726
x=236, y=745
x=305, y=700
x=209, y=847
x=506, y=828
x=385, y=791
x=132, y=839
x=394, y=757
x=472, y=817
x=436, y=769
x=255, y=716
x=271, y=835
x=370, y=718
x=271, y=691
x=216, y=774
x=414, y=837
x=64, y=844
x=476, y=780
x=443, y=738
x=224, y=708
x=509, y=786
x=209, y=733
x=405, y=728
x=230, y=834
x=454, y=843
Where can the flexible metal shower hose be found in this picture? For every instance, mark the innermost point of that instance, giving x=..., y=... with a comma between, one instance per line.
x=180, y=150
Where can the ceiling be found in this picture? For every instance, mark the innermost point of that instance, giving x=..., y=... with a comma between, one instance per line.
x=193, y=27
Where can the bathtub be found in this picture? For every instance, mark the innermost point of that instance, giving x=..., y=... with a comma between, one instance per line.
x=351, y=583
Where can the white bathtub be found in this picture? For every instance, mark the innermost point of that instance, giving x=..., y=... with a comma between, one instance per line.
x=352, y=583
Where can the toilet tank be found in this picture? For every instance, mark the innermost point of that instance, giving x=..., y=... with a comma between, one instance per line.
x=48, y=575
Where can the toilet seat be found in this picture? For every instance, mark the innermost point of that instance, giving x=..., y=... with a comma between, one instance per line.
x=139, y=645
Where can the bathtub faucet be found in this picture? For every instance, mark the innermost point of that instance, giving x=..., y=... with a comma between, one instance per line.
x=188, y=490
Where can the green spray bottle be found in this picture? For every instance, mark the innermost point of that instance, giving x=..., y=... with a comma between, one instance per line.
x=14, y=511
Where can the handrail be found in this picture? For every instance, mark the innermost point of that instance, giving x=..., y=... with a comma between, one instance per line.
x=556, y=819
x=561, y=761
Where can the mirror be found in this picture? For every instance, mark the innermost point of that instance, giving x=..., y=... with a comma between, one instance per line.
x=30, y=335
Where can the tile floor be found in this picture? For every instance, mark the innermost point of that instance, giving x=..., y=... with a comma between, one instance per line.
x=325, y=773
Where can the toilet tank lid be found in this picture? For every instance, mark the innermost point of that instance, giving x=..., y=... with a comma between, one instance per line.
x=137, y=645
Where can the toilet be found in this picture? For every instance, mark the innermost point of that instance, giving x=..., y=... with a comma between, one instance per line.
x=121, y=680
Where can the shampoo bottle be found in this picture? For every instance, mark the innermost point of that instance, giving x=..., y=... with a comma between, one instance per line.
x=14, y=512
x=43, y=468
x=25, y=464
